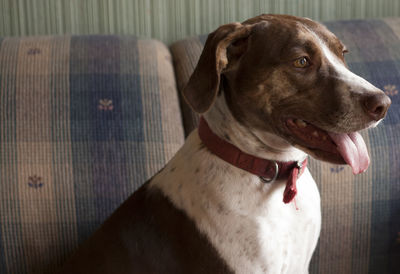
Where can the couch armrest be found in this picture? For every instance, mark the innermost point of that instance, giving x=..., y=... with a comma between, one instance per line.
x=84, y=121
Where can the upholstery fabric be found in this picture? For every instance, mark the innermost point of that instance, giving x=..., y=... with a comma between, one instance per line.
x=167, y=20
x=84, y=121
x=360, y=214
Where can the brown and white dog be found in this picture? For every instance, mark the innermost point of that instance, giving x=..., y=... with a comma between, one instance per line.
x=274, y=87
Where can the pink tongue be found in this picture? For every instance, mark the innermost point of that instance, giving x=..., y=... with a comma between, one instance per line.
x=353, y=150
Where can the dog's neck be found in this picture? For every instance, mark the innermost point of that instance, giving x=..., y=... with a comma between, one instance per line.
x=260, y=144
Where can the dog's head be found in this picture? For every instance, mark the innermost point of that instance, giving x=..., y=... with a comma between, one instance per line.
x=287, y=76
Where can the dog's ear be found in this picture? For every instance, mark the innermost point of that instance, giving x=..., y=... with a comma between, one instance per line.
x=202, y=88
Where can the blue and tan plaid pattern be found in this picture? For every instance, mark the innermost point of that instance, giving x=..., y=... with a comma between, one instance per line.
x=84, y=121
x=360, y=214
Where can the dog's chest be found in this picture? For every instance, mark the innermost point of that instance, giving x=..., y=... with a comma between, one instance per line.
x=243, y=218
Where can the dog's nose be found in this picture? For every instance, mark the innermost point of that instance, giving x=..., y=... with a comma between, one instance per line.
x=377, y=105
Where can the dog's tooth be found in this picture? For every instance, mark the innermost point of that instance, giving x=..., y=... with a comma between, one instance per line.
x=315, y=134
x=300, y=123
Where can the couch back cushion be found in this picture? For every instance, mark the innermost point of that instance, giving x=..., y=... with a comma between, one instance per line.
x=84, y=121
x=360, y=214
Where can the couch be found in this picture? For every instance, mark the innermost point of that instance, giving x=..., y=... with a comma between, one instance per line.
x=85, y=120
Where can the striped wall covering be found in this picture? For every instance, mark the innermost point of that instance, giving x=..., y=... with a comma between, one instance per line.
x=360, y=214
x=167, y=20
x=84, y=121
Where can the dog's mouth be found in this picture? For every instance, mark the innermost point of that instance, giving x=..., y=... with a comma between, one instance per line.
x=339, y=148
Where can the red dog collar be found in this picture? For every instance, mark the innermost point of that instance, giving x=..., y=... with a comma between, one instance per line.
x=267, y=170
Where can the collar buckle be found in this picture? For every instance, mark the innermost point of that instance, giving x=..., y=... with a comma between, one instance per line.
x=299, y=165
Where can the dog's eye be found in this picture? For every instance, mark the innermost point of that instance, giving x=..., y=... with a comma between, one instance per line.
x=302, y=62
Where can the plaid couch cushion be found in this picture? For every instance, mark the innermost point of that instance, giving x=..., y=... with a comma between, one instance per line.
x=360, y=214
x=84, y=120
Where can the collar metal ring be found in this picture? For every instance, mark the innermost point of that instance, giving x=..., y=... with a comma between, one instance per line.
x=271, y=180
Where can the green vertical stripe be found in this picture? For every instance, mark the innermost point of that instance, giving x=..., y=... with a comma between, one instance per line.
x=2, y=249
x=61, y=148
x=9, y=202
